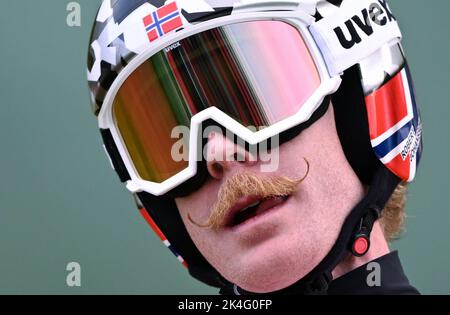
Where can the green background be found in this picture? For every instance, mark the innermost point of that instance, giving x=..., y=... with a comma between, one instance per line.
x=61, y=202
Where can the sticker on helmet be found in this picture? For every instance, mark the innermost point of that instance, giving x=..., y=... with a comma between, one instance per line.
x=162, y=21
x=395, y=126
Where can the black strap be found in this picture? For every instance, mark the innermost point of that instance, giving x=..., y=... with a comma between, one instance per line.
x=114, y=155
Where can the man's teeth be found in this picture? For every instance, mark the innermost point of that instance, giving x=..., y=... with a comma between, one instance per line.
x=250, y=206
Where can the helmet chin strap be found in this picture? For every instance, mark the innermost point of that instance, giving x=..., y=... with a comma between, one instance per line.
x=354, y=238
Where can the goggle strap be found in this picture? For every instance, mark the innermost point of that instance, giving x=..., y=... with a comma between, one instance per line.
x=114, y=155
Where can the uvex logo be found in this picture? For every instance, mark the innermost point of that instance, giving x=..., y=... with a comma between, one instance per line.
x=377, y=13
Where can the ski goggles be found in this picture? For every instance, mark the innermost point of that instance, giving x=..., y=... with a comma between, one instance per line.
x=256, y=75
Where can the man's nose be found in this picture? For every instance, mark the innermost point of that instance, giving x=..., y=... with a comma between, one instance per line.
x=223, y=155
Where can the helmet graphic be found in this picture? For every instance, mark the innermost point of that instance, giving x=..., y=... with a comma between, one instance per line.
x=155, y=66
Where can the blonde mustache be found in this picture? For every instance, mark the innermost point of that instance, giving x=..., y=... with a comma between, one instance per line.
x=246, y=184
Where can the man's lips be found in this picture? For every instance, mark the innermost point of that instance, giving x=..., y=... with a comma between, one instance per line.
x=249, y=207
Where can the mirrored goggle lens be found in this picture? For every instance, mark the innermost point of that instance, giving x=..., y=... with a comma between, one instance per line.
x=257, y=72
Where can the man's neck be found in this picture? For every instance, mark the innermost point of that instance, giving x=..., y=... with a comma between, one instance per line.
x=378, y=248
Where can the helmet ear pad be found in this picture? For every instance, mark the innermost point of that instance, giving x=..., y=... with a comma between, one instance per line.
x=352, y=125
x=163, y=210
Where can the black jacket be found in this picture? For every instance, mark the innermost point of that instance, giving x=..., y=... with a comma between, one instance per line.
x=391, y=275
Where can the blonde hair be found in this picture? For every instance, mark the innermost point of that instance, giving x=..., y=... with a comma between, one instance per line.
x=393, y=218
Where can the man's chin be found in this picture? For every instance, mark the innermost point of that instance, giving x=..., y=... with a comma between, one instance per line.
x=270, y=270
x=275, y=281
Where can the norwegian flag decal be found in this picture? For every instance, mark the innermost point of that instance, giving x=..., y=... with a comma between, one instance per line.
x=395, y=126
x=162, y=21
